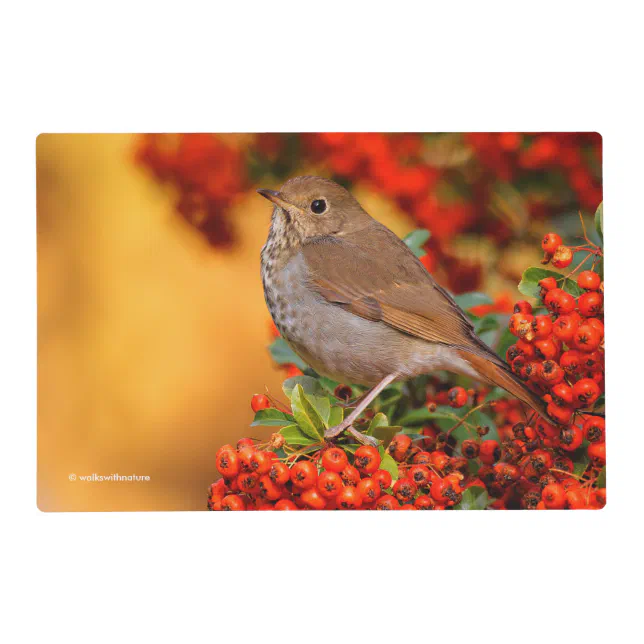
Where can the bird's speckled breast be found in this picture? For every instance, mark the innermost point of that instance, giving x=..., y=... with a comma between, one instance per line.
x=333, y=341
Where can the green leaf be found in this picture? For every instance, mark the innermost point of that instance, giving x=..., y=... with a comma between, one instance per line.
x=379, y=420
x=420, y=416
x=388, y=464
x=306, y=415
x=467, y=300
x=309, y=384
x=295, y=437
x=488, y=323
x=601, y=478
x=271, y=418
x=529, y=284
x=497, y=393
x=580, y=466
x=322, y=405
x=385, y=433
x=415, y=241
x=474, y=498
x=336, y=416
x=599, y=221
x=505, y=342
x=282, y=353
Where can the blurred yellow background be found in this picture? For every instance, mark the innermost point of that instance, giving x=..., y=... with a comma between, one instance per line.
x=150, y=342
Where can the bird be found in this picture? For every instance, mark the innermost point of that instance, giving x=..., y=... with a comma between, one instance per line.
x=356, y=304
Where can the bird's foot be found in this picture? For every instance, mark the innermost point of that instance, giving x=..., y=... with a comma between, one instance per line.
x=363, y=439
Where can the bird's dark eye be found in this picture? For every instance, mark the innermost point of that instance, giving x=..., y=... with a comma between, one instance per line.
x=318, y=206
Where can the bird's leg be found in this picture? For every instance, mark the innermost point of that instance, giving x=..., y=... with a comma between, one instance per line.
x=353, y=403
x=332, y=432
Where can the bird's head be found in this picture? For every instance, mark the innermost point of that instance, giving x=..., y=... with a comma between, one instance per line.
x=313, y=206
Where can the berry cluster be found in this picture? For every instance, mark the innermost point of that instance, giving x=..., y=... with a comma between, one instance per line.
x=257, y=479
x=560, y=353
x=207, y=171
x=449, y=183
x=443, y=446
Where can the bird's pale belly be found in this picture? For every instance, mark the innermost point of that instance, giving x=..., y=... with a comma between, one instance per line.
x=343, y=346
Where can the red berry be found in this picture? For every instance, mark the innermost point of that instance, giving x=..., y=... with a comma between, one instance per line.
x=419, y=474
x=233, y=502
x=523, y=306
x=349, y=498
x=554, y=496
x=268, y=489
x=595, y=429
x=245, y=442
x=597, y=452
x=550, y=243
x=469, y=448
x=562, y=394
x=589, y=280
x=590, y=304
x=350, y=476
x=334, y=459
x=587, y=338
x=405, y=490
x=562, y=257
x=369, y=490
x=329, y=484
x=561, y=415
x=424, y=502
x=304, y=474
x=247, y=482
x=585, y=392
x=399, y=447
x=565, y=327
x=285, y=504
x=570, y=362
x=550, y=372
x=520, y=324
x=548, y=283
x=541, y=326
x=367, y=459
x=279, y=473
x=313, y=499
x=571, y=438
x=383, y=478
x=387, y=502
x=560, y=302
x=489, y=452
x=227, y=464
x=259, y=401
x=261, y=462
x=457, y=397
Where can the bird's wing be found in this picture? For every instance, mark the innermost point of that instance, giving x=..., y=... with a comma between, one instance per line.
x=378, y=278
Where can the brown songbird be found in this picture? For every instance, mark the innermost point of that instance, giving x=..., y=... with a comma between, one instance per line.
x=355, y=303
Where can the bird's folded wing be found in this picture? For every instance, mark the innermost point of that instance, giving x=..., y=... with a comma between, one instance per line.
x=380, y=279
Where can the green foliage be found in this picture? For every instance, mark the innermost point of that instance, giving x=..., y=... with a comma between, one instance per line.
x=601, y=478
x=599, y=221
x=295, y=437
x=467, y=300
x=271, y=418
x=309, y=384
x=282, y=353
x=416, y=239
x=388, y=464
x=529, y=284
x=306, y=414
x=474, y=498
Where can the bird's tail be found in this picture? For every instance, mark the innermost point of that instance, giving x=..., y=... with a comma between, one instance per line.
x=496, y=372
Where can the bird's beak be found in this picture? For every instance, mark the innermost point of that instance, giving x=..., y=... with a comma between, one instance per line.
x=277, y=199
